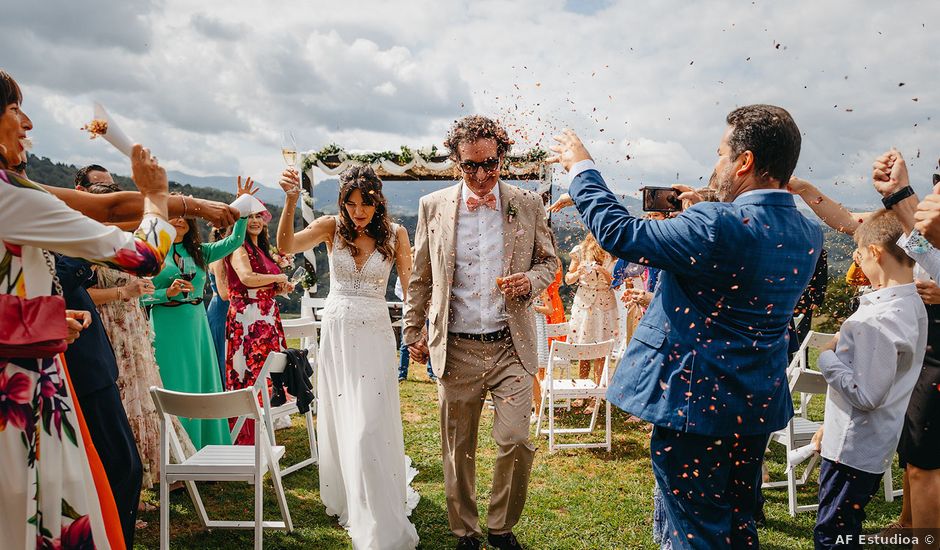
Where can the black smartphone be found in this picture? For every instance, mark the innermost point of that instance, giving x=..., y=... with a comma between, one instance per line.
x=661, y=199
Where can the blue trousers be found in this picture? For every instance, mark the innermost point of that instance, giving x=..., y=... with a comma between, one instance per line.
x=405, y=360
x=843, y=494
x=710, y=486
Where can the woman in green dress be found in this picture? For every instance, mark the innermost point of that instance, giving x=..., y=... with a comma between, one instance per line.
x=182, y=340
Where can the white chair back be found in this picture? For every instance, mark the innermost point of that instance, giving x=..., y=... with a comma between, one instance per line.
x=243, y=402
x=581, y=352
x=304, y=327
x=557, y=330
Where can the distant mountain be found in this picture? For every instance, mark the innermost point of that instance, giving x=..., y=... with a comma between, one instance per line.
x=268, y=195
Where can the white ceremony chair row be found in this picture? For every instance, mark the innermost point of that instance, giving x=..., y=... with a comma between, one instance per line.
x=247, y=463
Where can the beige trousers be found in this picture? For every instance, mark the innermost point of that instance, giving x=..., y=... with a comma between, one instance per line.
x=472, y=369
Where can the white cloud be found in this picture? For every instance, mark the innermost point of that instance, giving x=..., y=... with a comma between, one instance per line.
x=213, y=85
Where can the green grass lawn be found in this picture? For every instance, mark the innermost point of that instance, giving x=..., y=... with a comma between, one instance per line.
x=577, y=498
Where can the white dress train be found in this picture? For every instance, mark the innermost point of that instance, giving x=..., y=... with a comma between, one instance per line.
x=364, y=474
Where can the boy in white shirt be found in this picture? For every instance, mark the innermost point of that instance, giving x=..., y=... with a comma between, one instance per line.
x=871, y=366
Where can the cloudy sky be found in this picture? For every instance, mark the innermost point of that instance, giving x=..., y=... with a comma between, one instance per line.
x=212, y=86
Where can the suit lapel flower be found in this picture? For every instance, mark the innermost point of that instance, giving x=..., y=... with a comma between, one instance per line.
x=511, y=211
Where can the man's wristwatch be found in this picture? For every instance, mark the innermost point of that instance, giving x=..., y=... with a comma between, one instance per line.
x=897, y=197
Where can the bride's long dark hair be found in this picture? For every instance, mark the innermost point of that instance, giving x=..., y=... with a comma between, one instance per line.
x=369, y=185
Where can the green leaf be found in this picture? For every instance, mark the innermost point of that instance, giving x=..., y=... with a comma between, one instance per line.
x=69, y=430
x=68, y=511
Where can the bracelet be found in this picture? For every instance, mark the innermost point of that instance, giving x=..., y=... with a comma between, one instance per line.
x=185, y=208
x=120, y=293
x=897, y=197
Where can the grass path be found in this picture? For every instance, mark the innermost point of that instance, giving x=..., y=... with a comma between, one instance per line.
x=577, y=499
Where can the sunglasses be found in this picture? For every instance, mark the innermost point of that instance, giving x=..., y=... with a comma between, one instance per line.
x=489, y=165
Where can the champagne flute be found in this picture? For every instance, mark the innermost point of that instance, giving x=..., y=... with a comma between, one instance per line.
x=289, y=151
x=298, y=276
x=188, y=273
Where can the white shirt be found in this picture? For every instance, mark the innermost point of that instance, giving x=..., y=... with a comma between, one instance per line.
x=871, y=376
x=476, y=305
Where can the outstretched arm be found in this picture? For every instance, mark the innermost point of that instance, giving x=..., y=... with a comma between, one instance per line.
x=125, y=208
x=321, y=230
x=831, y=212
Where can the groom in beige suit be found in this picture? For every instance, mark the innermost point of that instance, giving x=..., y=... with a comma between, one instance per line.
x=481, y=337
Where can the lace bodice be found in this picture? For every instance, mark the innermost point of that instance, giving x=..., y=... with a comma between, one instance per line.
x=347, y=280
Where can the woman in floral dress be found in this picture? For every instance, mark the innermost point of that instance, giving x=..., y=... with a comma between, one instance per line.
x=254, y=326
x=53, y=491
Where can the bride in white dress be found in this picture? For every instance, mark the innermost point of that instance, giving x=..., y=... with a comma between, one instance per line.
x=364, y=473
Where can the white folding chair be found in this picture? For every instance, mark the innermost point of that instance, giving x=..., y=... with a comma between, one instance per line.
x=568, y=388
x=307, y=329
x=275, y=363
x=246, y=463
x=557, y=330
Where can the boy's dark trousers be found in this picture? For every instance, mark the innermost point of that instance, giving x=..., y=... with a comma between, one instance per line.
x=843, y=494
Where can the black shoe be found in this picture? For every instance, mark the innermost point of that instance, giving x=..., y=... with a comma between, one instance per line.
x=468, y=543
x=506, y=541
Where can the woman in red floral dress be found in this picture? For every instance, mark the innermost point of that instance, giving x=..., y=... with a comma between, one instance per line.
x=253, y=328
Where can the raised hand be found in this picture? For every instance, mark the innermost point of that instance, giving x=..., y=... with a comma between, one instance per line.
x=569, y=150
x=563, y=202
x=248, y=188
x=928, y=217
x=147, y=173
x=688, y=195
x=889, y=173
x=290, y=183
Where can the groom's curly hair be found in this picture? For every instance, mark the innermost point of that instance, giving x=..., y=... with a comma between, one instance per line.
x=475, y=127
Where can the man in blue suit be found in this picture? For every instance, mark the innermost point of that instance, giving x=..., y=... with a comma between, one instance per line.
x=707, y=364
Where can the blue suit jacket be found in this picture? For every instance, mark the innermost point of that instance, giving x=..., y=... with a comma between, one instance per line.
x=710, y=354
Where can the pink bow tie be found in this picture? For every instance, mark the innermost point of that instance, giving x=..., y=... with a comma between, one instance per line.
x=488, y=201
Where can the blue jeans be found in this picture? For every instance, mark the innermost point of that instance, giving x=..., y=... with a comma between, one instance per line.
x=405, y=360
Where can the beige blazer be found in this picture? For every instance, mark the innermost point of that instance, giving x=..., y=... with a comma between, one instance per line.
x=529, y=249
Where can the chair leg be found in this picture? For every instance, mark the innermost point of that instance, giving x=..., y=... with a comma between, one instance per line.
x=607, y=406
x=551, y=422
x=197, y=502
x=312, y=438
x=597, y=405
x=791, y=491
x=164, y=513
x=259, y=509
x=538, y=422
x=281, y=497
